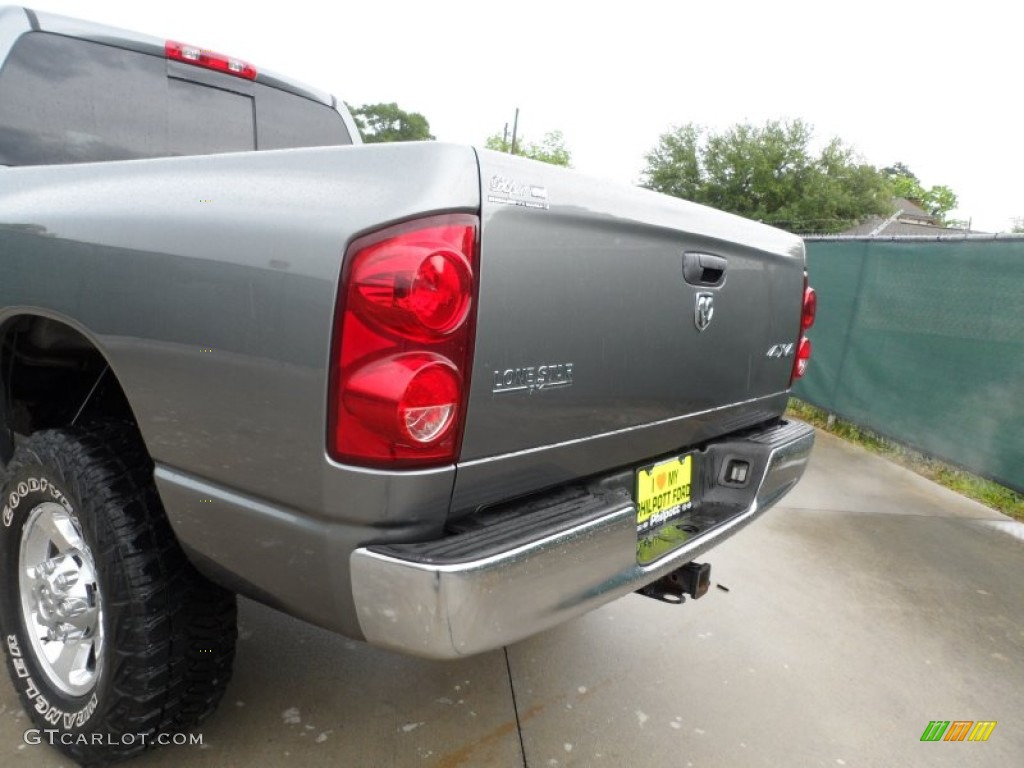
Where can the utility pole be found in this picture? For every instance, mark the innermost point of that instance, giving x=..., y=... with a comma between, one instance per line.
x=515, y=128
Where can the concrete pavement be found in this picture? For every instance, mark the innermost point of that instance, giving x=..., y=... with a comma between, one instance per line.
x=870, y=603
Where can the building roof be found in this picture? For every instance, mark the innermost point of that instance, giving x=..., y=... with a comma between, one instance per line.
x=910, y=209
x=899, y=228
x=867, y=227
x=909, y=219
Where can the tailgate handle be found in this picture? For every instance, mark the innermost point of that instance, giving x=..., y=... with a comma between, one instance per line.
x=703, y=268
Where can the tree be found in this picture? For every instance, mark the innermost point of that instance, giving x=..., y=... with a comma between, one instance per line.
x=899, y=169
x=769, y=173
x=551, y=148
x=387, y=122
x=938, y=200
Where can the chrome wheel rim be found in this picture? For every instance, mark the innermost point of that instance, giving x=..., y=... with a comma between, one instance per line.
x=60, y=599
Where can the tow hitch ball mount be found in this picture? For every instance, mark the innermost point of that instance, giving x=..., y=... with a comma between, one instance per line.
x=692, y=579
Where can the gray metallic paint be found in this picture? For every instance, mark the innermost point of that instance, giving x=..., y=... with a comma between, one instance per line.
x=598, y=282
x=124, y=38
x=251, y=275
x=209, y=285
x=128, y=255
x=14, y=22
x=495, y=479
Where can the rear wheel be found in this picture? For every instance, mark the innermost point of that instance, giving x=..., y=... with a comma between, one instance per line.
x=113, y=639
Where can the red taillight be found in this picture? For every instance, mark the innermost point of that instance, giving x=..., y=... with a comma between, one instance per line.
x=428, y=405
x=421, y=288
x=803, y=358
x=808, y=310
x=400, y=373
x=408, y=398
x=200, y=57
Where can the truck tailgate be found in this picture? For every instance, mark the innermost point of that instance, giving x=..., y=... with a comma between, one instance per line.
x=588, y=328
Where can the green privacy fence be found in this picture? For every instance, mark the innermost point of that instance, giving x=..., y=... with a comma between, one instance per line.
x=923, y=341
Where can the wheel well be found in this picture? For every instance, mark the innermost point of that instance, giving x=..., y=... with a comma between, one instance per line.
x=52, y=376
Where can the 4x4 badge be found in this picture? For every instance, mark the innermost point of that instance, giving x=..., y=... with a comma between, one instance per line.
x=704, y=310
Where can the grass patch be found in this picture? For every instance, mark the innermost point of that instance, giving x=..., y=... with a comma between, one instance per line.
x=965, y=483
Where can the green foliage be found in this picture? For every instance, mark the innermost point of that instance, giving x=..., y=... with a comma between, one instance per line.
x=906, y=186
x=941, y=200
x=938, y=200
x=769, y=173
x=899, y=169
x=380, y=123
x=551, y=148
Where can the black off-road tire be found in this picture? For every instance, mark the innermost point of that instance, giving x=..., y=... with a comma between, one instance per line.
x=169, y=634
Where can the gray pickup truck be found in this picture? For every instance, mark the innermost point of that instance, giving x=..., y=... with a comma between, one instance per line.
x=428, y=396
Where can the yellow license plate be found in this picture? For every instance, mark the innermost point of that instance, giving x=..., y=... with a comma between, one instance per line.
x=663, y=492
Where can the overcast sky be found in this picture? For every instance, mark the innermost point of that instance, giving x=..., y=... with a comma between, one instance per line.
x=935, y=85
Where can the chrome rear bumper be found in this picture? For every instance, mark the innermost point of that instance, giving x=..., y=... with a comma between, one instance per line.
x=446, y=606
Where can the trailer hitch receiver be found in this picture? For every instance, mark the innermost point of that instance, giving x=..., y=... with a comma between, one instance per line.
x=692, y=579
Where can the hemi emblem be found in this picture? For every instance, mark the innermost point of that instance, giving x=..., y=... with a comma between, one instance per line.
x=703, y=310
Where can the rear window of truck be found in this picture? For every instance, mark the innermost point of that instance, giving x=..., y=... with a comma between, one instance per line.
x=64, y=100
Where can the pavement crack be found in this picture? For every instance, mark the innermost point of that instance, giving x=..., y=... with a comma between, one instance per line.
x=515, y=707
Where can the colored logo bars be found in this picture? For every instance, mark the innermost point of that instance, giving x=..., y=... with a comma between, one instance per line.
x=958, y=730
